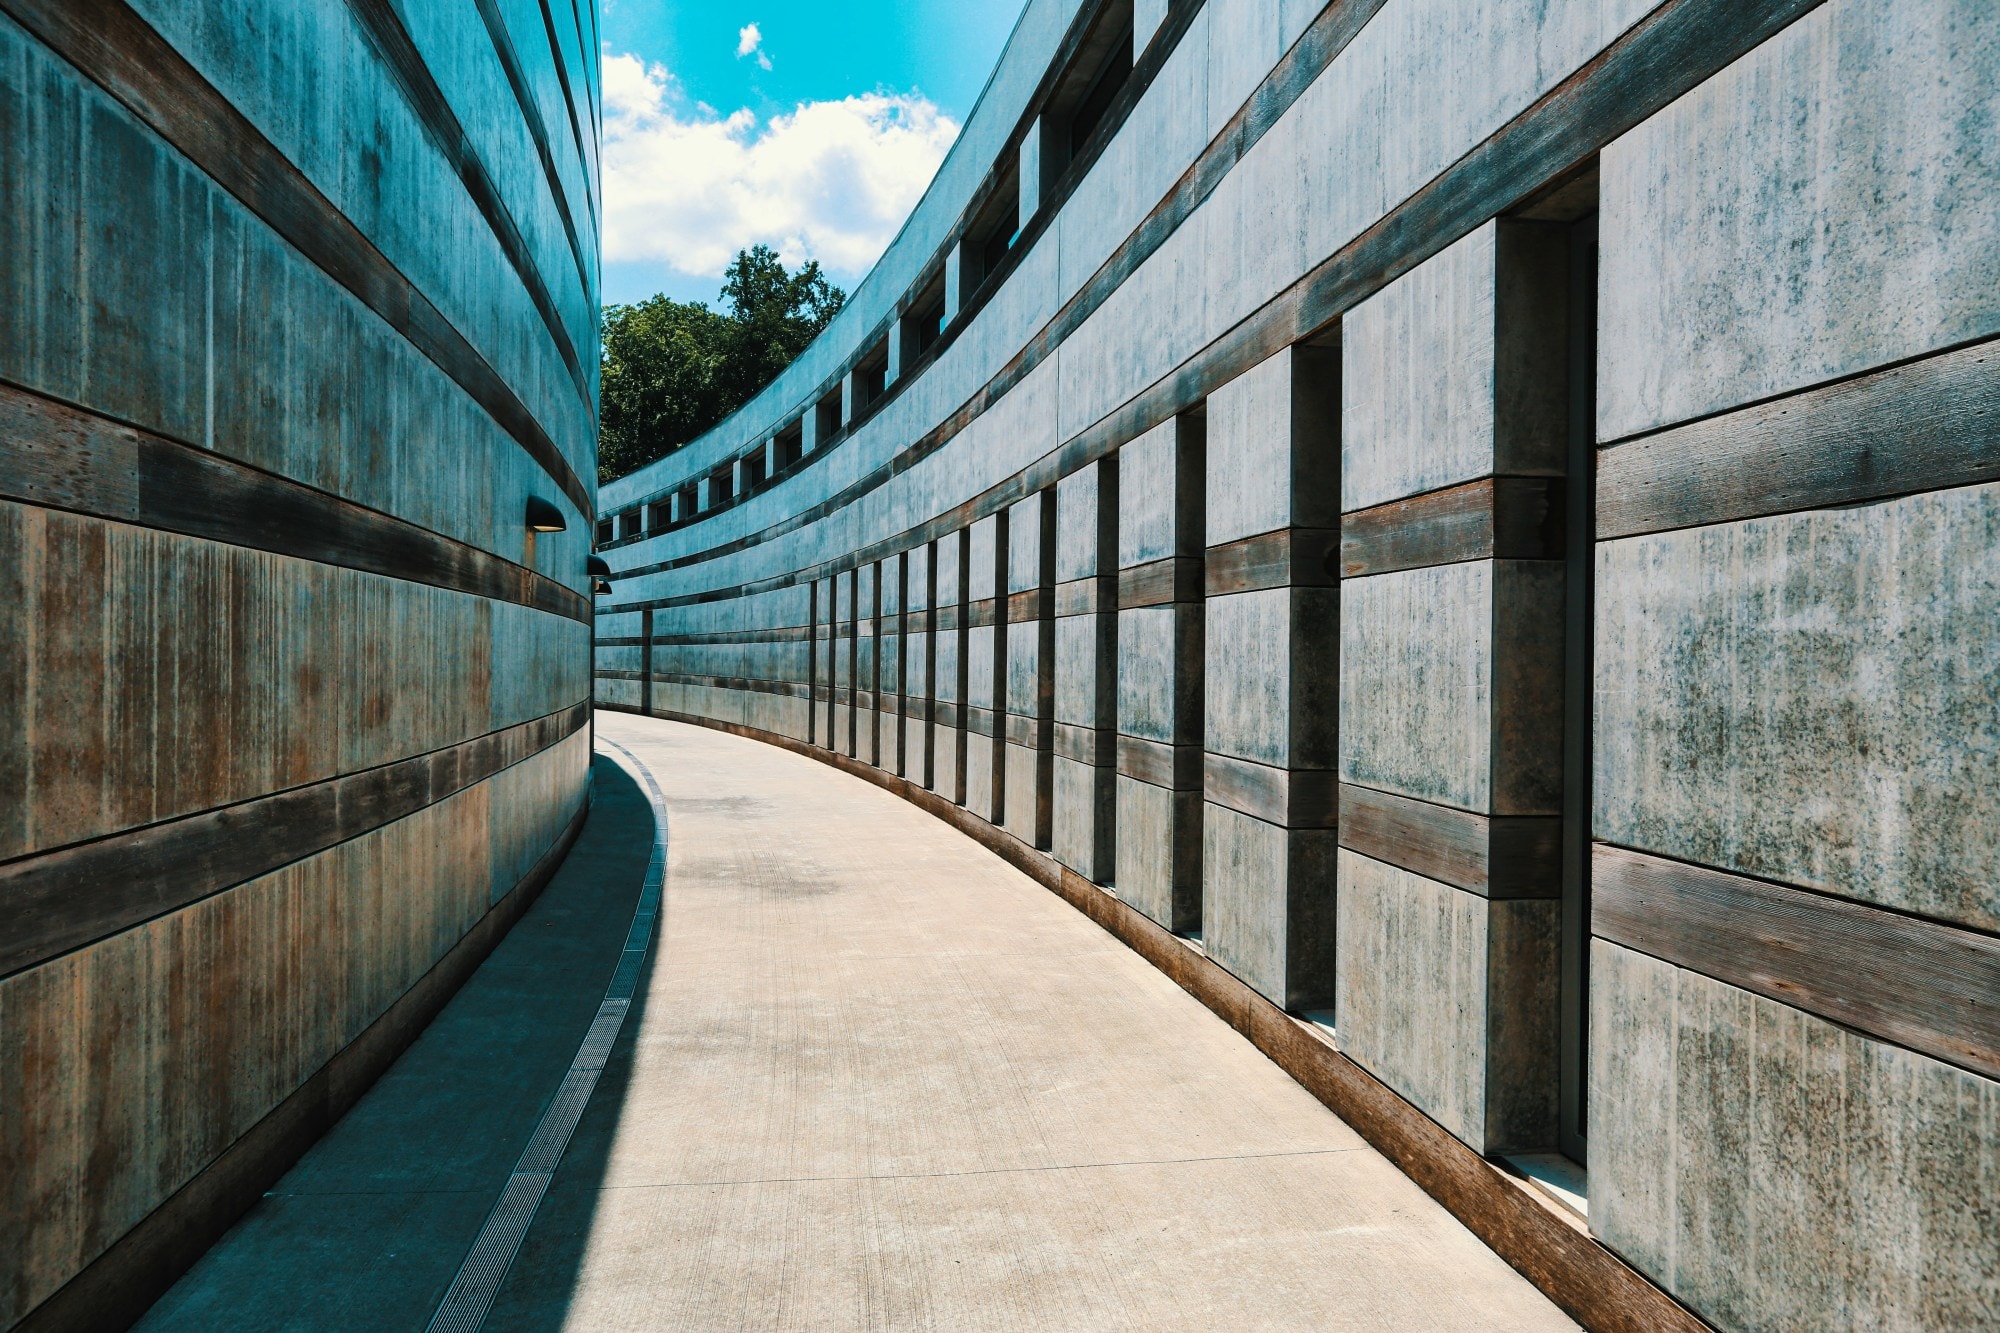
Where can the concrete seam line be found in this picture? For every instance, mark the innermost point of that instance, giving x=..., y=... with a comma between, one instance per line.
x=485, y=1266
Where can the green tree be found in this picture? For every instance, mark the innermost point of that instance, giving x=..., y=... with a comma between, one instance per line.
x=673, y=369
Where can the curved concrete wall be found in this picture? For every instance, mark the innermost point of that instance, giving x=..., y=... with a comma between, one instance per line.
x=1484, y=515
x=300, y=314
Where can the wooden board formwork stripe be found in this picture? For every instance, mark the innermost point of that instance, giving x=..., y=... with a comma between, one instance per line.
x=392, y=42
x=978, y=720
x=1916, y=983
x=118, y=50
x=790, y=689
x=117, y=1288
x=1495, y=856
x=64, y=899
x=1919, y=426
x=1085, y=596
x=531, y=117
x=1505, y=518
x=1287, y=558
x=1177, y=578
x=1158, y=764
x=1677, y=46
x=1288, y=798
x=57, y=456
x=780, y=634
x=1030, y=733
x=1565, y=1263
x=1096, y=746
x=1028, y=605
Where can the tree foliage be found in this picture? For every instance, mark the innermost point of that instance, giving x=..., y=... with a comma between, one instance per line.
x=672, y=369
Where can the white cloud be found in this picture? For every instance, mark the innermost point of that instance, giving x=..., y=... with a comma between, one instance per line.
x=687, y=186
x=750, y=41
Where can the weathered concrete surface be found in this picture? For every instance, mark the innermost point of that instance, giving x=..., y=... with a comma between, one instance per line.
x=1828, y=204
x=1450, y=999
x=1776, y=1171
x=1810, y=698
x=371, y=1225
x=882, y=1080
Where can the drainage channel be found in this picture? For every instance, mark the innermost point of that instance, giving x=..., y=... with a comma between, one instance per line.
x=478, y=1281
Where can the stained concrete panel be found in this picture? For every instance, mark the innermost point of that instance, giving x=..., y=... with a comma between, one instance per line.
x=1773, y=1170
x=1152, y=522
x=1809, y=697
x=1429, y=708
x=1149, y=698
x=1271, y=682
x=1829, y=203
x=1273, y=446
x=1267, y=905
x=1159, y=853
x=1450, y=999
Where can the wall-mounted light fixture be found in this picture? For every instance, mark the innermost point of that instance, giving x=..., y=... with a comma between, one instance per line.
x=600, y=586
x=596, y=567
x=544, y=517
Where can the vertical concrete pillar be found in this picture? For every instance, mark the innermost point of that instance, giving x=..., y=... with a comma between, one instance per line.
x=868, y=666
x=954, y=284
x=948, y=676
x=1160, y=533
x=892, y=698
x=770, y=458
x=646, y=661
x=1273, y=638
x=1085, y=675
x=705, y=496
x=1455, y=418
x=1030, y=656
x=919, y=662
x=739, y=476
x=986, y=669
x=1147, y=16
x=809, y=439
x=815, y=662
x=847, y=399
x=894, y=371
x=850, y=664
x=1031, y=174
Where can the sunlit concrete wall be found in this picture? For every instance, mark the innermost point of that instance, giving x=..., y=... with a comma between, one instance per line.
x=298, y=314
x=1486, y=517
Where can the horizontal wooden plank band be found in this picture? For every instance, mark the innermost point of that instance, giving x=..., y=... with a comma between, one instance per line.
x=1160, y=582
x=782, y=634
x=538, y=132
x=117, y=1287
x=1296, y=70
x=1506, y=518
x=978, y=721
x=385, y=30
x=1677, y=46
x=121, y=53
x=980, y=614
x=1920, y=426
x=1921, y=984
x=1082, y=597
x=1174, y=767
x=1288, y=798
x=1027, y=605
x=61, y=900
x=1029, y=732
x=1086, y=745
x=1287, y=558
x=945, y=713
x=1563, y=1261
x=789, y=689
x=947, y=618
x=1495, y=856
x=60, y=457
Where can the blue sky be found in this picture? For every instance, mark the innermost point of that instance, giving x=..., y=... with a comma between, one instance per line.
x=812, y=128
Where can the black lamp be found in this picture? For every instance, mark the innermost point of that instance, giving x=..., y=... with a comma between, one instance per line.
x=544, y=517
x=600, y=586
x=596, y=567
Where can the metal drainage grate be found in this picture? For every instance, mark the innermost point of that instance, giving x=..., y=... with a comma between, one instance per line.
x=478, y=1281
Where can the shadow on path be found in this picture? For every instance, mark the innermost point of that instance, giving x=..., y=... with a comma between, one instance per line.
x=368, y=1230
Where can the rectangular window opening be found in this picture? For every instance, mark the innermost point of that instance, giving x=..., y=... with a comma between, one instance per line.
x=1078, y=106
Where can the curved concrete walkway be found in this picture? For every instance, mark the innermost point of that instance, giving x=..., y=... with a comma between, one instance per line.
x=878, y=1079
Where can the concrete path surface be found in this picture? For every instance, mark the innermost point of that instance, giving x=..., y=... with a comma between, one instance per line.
x=877, y=1079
